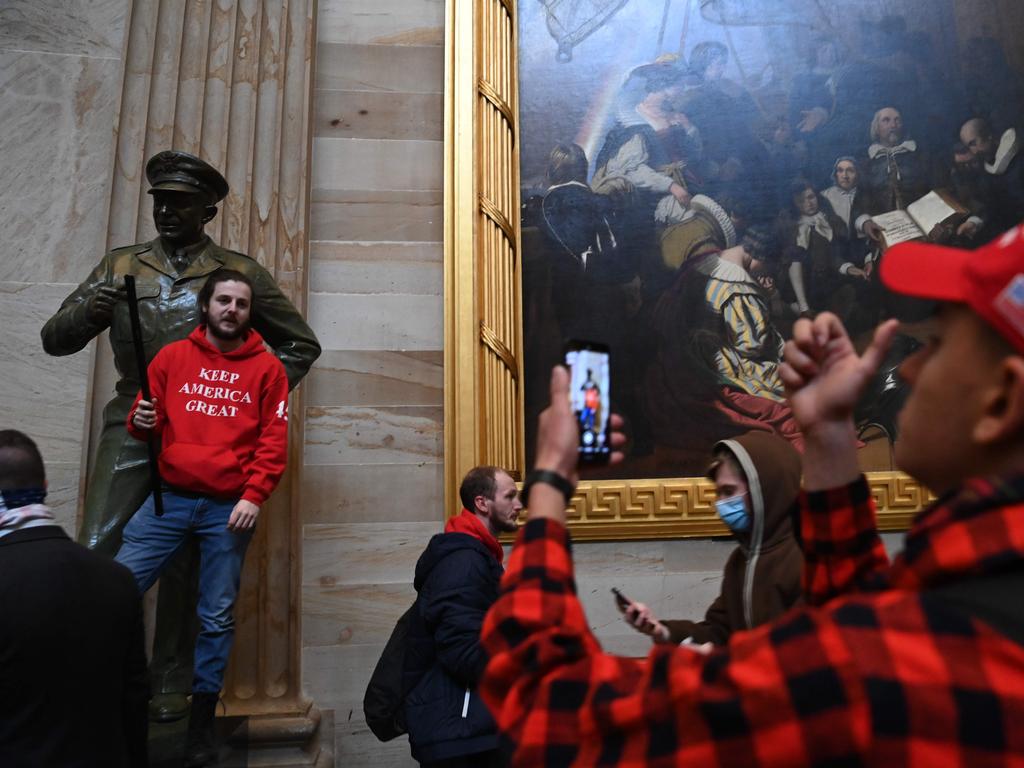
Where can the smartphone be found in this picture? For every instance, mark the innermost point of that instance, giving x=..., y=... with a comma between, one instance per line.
x=621, y=600
x=590, y=397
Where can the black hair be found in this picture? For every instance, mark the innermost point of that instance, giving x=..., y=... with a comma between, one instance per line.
x=704, y=54
x=21, y=464
x=567, y=162
x=760, y=242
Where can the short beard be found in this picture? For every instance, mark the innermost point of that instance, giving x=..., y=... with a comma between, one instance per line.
x=505, y=526
x=238, y=333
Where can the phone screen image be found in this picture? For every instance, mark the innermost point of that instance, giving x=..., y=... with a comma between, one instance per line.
x=590, y=396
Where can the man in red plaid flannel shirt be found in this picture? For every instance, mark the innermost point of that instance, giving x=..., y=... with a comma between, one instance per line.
x=882, y=666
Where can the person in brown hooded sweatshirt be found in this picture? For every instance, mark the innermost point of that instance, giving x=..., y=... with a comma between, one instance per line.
x=757, y=477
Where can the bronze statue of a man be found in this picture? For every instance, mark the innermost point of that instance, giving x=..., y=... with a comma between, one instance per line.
x=169, y=272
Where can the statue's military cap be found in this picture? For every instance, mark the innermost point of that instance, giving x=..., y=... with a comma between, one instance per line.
x=181, y=172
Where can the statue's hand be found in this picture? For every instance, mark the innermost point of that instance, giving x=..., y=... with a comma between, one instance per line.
x=100, y=306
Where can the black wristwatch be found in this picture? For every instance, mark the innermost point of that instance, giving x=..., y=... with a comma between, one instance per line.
x=547, y=477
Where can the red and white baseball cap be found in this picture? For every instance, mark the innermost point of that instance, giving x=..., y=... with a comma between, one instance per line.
x=990, y=280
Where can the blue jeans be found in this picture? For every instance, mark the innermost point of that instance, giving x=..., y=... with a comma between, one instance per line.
x=149, y=543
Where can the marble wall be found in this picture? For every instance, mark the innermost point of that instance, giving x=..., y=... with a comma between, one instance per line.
x=60, y=85
x=374, y=401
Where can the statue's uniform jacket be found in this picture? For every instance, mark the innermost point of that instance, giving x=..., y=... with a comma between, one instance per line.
x=168, y=311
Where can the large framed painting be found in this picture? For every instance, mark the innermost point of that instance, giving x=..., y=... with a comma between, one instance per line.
x=680, y=180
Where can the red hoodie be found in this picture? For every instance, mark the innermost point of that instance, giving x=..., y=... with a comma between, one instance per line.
x=469, y=523
x=222, y=416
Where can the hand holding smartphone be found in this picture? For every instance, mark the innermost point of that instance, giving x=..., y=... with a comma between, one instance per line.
x=621, y=600
x=590, y=396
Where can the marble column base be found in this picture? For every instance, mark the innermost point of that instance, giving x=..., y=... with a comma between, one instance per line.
x=298, y=740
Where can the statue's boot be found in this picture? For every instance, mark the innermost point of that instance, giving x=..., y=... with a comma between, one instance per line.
x=201, y=746
x=168, y=707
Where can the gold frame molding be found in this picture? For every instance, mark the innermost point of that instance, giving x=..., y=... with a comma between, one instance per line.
x=483, y=350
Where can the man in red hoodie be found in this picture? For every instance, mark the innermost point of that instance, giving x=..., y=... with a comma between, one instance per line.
x=457, y=579
x=219, y=408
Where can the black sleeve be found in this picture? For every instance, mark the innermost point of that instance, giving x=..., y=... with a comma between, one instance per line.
x=136, y=686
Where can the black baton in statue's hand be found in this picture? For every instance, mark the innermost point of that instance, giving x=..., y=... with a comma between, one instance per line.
x=140, y=361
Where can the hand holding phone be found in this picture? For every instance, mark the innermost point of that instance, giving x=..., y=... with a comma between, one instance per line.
x=639, y=616
x=621, y=600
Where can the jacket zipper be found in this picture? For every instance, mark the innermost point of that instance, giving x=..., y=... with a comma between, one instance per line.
x=465, y=705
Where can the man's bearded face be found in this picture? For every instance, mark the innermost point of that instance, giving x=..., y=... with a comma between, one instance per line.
x=890, y=127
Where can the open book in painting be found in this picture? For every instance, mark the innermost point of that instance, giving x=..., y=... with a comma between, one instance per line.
x=920, y=218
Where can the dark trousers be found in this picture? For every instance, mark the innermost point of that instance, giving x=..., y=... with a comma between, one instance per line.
x=490, y=759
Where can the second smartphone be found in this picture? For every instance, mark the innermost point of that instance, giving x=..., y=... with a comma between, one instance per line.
x=590, y=397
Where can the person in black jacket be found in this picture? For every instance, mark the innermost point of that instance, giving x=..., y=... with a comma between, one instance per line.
x=457, y=579
x=71, y=625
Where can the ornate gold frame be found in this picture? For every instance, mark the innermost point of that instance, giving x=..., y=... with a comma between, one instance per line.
x=482, y=319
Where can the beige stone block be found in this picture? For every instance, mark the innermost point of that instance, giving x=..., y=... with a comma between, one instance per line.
x=66, y=27
x=689, y=555
x=378, y=115
x=373, y=493
x=57, y=118
x=356, y=745
x=377, y=164
x=408, y=22
x=62, y=484
x=634, y=645
x=390, y=215
x=376, y=378
x=390, y=267
x=356, y=67
x=43, y=396
x=670, y=597
x=363, y=553
x=603, y=616
x=335, y=677
x=388, y=322
x=393, y=435
x=610, y=558
x=689, y=596
x=353, y=614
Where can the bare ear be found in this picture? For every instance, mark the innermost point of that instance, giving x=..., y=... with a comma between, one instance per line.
x=480, y=504
x=211, y=211
x=1002, y=406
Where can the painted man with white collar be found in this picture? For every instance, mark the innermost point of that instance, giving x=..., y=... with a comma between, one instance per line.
x=897, y=172
x=1003, y=170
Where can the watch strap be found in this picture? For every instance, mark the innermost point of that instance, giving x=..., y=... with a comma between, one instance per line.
x=548, y=477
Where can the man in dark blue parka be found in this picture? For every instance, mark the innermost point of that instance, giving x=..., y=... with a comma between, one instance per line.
x=457, y=579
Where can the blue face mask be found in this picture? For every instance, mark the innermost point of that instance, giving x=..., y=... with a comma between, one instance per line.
x=733, y=512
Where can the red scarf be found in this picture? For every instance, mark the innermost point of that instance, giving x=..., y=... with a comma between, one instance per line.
x=470, y=524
